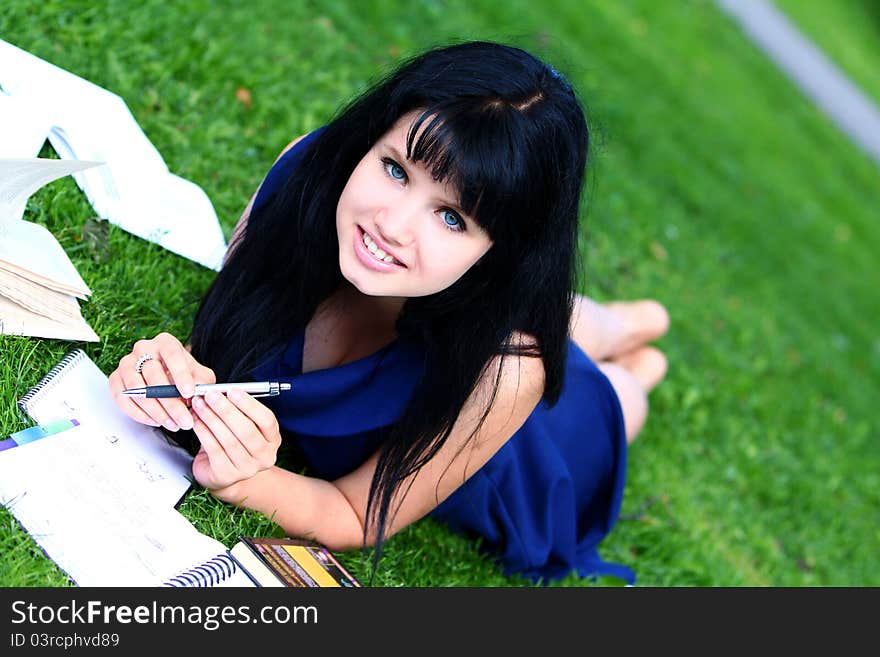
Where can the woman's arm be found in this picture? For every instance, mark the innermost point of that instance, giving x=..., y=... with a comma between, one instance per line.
x=242, y=222
x=333, y=513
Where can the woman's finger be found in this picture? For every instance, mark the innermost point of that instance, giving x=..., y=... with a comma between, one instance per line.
x=259, y=414
x=240, y=425
x=223, y=472
x=161, y=360
x=154, y=373
x=178, y=363
x=126, y=404
x=132, y=379
x=202, y=374
x=235, y=451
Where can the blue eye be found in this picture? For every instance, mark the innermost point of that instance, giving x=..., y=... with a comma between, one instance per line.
x=452, y=221
x=393, y=169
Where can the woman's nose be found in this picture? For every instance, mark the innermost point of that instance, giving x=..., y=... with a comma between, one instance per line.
x=396, y=225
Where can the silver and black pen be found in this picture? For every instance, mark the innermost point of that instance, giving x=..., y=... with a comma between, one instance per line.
x=254, y=389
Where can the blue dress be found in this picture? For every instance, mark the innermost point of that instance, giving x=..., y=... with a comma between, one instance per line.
x=542, y=503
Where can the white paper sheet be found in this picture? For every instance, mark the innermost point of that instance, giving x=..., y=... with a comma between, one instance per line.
x=21, y=177
x=134, y=190
x=81, y=391
x=98, y=514
x=17, y=320
x=38, y=282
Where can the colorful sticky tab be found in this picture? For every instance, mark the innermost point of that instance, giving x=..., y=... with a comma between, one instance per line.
x=31, y=434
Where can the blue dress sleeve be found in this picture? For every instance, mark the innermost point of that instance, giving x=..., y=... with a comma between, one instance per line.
x=282, y=170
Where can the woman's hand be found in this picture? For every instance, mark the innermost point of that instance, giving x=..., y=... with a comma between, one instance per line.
x=239, y=436
x=169, y=363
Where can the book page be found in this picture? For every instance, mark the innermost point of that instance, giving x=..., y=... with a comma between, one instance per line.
x=81, y=391
x=49, y=283
x=135, y=189
x=21, y=177
x=257, y=569
x=31, y=247
x=95, y=119
x=38, y=298
x=96, y=513
x=17, y=320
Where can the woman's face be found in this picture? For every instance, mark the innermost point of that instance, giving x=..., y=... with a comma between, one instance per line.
x=401, y=233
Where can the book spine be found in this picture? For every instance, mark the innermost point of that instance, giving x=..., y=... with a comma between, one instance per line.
x=210, y=573
x=54, y=375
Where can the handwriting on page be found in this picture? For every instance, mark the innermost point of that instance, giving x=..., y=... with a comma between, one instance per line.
x=83, y=392
x=106, y=527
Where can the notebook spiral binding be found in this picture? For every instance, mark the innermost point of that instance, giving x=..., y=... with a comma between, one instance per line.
x=210, y=573
x=52, y=377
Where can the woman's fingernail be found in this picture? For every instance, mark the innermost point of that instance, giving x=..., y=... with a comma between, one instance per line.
x=212, y=398
x=170, y=425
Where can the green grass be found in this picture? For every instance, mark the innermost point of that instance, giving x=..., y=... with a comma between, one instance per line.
x=848, y=32
x=716, y=187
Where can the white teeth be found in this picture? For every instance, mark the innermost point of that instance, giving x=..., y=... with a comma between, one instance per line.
x=376, y=251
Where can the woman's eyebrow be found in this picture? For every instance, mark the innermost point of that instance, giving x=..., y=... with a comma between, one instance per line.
x=453, y=204
x=396, y=154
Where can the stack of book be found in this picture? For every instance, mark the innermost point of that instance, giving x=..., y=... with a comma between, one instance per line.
x=39, y=285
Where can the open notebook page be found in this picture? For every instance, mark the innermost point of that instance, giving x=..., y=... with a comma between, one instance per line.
x=96, y=513
x=79, y=390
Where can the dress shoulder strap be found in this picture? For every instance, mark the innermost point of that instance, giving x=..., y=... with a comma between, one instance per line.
x=282, y=169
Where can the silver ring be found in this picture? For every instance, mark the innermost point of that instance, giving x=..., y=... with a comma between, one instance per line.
x=140, y=362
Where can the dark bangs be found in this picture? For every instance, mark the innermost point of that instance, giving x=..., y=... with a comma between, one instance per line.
x=483, y=153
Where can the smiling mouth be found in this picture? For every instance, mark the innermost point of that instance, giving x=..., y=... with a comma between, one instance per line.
x=377, y=252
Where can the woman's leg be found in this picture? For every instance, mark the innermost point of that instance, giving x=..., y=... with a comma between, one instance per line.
x=607, y=331
x=614, y=336
x=633, y=398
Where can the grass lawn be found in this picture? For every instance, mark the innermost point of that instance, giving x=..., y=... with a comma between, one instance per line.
x=849, y=34
x=715, y=187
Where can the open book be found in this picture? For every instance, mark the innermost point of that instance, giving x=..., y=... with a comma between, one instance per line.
x=76, y=389
x=39, y=285
x=99, y=496
x=97, y=514
x=135, y=190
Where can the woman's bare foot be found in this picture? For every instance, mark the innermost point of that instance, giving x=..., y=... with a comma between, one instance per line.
x=647, y=364
x=643, y=321
x=605, y=331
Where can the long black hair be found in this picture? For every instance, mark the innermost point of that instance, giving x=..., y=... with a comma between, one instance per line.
x=507, y=131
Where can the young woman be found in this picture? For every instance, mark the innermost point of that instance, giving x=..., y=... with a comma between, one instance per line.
x=409, y=268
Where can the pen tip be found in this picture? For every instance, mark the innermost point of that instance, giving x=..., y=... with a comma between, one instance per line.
x=284, y=386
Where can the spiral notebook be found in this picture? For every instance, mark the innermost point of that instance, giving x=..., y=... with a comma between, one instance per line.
x=91, y=512
x=99, y=497
x=77, y=389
